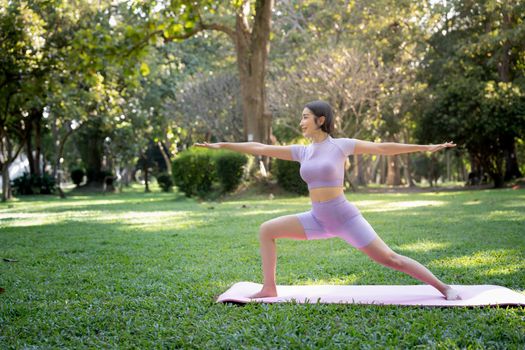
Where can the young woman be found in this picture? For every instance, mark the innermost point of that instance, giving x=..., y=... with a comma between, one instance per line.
x=322, y=168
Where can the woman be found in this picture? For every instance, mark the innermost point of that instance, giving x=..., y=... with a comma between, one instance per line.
x=322, y=168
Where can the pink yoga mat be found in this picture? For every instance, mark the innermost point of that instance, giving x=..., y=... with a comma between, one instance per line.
x=421, y=295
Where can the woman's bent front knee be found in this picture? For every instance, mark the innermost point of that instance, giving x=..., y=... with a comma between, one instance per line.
x=265, y=231
x=282, y=227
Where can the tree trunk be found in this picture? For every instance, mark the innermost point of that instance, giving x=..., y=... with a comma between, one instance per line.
x=146, y=175
x=447, y=155
x=34, y=126
x=394, y=176
x=383, y=170
x=375, y=167
x=29, y=146
x=6, y=151
x=6, y=194
x=8, y=158
x=475, y=175
x=267, y=133
x=38, y=142
x=58, y=179
x=359, y=179
x=128, y=171
x=408, y=171
x=166, y=158
x=512, y=169
x=462, y=170
x=91, y=151
x=125, y=172
x=57, y=173
x=348, y=177
x=498, y=180
x=505, y=60
x=56, y=163
x=252, y=47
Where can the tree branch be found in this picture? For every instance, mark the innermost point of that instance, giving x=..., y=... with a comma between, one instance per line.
x=219, y=27
x=200, y=27
x=261, y=23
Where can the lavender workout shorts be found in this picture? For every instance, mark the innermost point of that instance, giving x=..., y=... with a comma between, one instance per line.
x=337, y=218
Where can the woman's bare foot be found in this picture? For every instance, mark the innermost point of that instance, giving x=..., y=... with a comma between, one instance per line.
x=265, y=292
x=452, y=294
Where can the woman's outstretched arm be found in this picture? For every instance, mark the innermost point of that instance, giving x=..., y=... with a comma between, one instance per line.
x=253, y=148
x=393, y=148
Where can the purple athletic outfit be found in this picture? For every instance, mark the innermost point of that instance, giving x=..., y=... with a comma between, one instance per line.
x=322, y=165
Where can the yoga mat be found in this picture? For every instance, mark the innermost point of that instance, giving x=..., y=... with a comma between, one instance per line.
x=417, y=295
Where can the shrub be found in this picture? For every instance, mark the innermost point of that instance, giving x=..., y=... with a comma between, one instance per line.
x=230, y=168
x=22, y=185
x=287, y=174
x=428, y=167
x=77, y=176
x=165, y=182
x=29, y=184
x=193, y=172
x=46, y=184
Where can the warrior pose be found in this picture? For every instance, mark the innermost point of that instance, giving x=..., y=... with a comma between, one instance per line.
x=322, y=168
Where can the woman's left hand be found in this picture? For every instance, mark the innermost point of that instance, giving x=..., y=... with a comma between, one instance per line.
x=434, y=148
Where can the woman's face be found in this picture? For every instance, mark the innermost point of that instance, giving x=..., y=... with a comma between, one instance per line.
x=307, y=124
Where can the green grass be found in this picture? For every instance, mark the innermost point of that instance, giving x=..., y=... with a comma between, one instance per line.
x=135, y=270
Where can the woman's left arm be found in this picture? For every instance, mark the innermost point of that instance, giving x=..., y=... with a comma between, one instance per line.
x=393, y=148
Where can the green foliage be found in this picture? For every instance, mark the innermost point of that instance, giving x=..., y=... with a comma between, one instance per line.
x=229, y=168
x=481, y=117
x=194, y=172
x=428, y=167
x=288, y=176
x=31, y=184
x=77, y=175
x=476, y=90
x=165, y=182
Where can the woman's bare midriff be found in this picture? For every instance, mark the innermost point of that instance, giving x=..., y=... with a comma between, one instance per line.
x=323, y=194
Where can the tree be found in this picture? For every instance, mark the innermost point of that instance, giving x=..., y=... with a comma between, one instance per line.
x=476, y=83
x=377, y=78
x=247, y=24
x=21, y=45
x=209, y=106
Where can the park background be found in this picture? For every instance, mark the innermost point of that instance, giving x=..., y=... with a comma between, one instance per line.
x=101, y=101
x=118, y=89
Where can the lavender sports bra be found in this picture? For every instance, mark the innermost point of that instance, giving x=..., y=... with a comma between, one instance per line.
x=322, y=164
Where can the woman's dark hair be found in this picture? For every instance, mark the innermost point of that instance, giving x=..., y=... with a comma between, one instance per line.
x=322, y=109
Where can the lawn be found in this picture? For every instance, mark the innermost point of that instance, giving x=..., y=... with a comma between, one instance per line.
x=134, y=270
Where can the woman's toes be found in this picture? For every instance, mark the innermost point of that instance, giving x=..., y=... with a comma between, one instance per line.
x=452, y=294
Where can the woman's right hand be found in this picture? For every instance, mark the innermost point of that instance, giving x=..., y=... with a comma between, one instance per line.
x=208, y=145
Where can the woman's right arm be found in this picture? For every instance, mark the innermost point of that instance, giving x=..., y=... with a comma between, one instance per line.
x=253, y=148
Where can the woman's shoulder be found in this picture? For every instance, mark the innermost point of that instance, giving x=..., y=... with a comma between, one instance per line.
x=345, y=144
x=343, y=140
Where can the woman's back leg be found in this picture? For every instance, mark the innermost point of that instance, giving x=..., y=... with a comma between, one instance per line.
x=380, y=252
